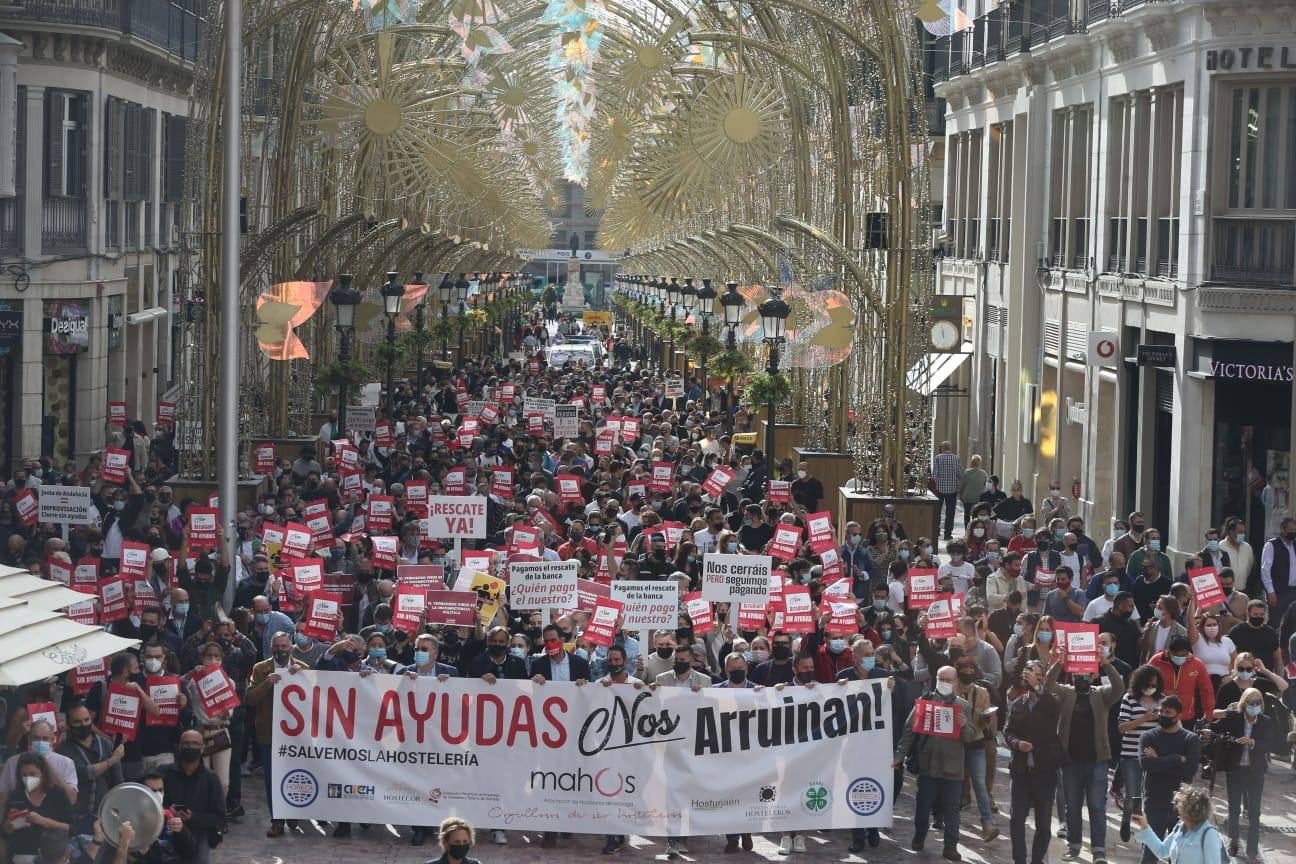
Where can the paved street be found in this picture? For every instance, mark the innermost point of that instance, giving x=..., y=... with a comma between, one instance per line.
x=247, y=843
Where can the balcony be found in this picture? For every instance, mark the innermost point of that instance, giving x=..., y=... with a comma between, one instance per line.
x=1100, y=10
x=992, y=238
x=63, y=225
x=174, y=27
x=1259, y=252
x=1117, y=228
x=1168, y=247
x=11, y=226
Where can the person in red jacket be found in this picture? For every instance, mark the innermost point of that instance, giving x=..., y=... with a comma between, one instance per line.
x=1185, y=675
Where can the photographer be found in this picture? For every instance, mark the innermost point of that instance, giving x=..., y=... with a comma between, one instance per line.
x=1240, y=743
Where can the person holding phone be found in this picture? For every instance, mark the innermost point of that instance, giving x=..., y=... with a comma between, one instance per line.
x=194, y=794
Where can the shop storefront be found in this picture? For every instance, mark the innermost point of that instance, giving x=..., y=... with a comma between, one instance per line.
x=67, y=336
x=1251, y=464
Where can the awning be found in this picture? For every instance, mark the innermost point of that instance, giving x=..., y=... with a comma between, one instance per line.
x=37, y=592
x=932, y=371
x=38, y=643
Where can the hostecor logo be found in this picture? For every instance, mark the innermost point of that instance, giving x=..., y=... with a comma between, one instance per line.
x=299, y=788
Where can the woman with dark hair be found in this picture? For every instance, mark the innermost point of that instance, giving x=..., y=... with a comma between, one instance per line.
x=1138, y=712
x=36, y=804
x=974, y=754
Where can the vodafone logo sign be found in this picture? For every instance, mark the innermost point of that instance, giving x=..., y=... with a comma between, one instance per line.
x=1104, y=348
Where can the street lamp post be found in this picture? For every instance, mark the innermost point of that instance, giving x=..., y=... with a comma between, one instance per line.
x=706, y=304
x=688, y=299
x=657, y=296
x=774, y=314
x=672, y=297
x=461, y=291
x=732, y=303
x=345, y=299
x=418, y=325
x=444, y=290
x=392, y=292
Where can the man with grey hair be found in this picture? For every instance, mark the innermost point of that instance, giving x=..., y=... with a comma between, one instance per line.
x=40, y=739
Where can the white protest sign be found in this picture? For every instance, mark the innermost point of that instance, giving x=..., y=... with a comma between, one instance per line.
x=647, y=605
x=536, y=405
x=456, y=517
x=543, y=584
x=674, y=388
x=736, y=578
x=361, y=419
x=67, y=505
x=567, y=421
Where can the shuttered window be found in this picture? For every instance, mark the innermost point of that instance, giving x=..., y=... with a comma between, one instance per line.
x=992, y=331
x=175, y=136
x=128, y=150
x=65, y=144
x=1165, y=391
x=1052, y=338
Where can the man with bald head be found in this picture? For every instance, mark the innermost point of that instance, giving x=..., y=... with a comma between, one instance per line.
x=40, y=739
x=941, y=760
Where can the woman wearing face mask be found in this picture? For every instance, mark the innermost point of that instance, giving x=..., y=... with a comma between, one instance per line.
x=1138, y=712
x=1037, y=645
x=889, y=631
x=969, y=673
x=215, y=729
x=457, y=839
x=1245, y=760
x=1162, y=626
x=977, y=535
x=1248, y=672
x=1211, y=647
x=43, y=806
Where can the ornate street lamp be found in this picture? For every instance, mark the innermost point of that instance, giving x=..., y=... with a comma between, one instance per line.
x=705, y=303
x=345, y=299
x=392, y=291
x=418, y=326
x=462, y=287
x=672, y=297
x=732, y=304
x=444, y=292
x=774, y=314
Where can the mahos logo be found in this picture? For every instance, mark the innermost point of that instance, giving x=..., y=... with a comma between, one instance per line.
x=607, y=782
x=299, y=788
x=865, y=796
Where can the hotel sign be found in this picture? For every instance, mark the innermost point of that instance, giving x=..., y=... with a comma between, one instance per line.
x=1250, y=58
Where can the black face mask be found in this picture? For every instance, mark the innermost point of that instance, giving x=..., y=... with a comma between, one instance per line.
x=615, y=669
x=1257, y=622
x=967, y=677
x=804, y=678
x=534, y=633
x=665, y=653
x=81, y=733
x=747, y=635
x=737, y=676
x=281, y=657
x=147, y=631
x=498, y=650
x=459, y=850
x=684, y=634
x=682, y=667
x=190, y=755
x=782, y=652
x=1082, y=686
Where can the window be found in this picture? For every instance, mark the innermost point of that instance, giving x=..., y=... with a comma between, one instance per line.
x=1254, y=225
x=1069, y=176
x=66, y=138
x=963, y=220
x=1145, y=130
x=999, y=194
x=590, y=242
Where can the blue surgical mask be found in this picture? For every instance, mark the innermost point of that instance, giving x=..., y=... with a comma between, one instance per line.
x=1253, y=710
x=1212, y=545
x=904, y=554
x=731, y=548
x=747, y=655
x=581, y=653
x=1112, y=589
x=1157, y=613
x=1154, y=545
x=377, y=653
x=867, y=663
x=992, y=556
x=887, y=635
x=302, y=640
x=119, y=505
x=854, y=539
x=1046, y=637
x=1178, y=660
x=517, y=652
x=1028, y=533
x=1241, y=538
x=1018, y=629
x=879, y=604
x=181, y=609
x=263, y=618
x=837, y=646
x=40, y=746
x=422, y=657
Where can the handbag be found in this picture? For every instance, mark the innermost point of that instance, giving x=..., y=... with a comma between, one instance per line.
x=216, y=740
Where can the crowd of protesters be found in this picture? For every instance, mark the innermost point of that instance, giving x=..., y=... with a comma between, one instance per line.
x=1182, y=695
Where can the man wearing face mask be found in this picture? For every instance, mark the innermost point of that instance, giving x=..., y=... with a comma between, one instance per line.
x=266, y=622
x=778, y=669
x=1169, y=757
x=496, y=662
x=98, y=765
x=1151, y=550
x=265, y=675
x=857, y=560
x=941, y=765
x=1185, y=676
x=1278, y=569
x=1254, y=637
x=193, y=792
x=1132, y=539
x=1031, y=733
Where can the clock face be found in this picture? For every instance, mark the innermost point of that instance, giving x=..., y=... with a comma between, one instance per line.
x=944, y=336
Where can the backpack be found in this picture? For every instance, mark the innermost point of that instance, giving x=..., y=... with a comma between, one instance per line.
x=1219, y=838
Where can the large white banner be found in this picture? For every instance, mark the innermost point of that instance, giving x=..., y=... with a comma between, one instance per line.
x=591, y=759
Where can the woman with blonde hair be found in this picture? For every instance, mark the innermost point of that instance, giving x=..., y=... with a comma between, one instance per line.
x=1194, y=840
x=1247, y=736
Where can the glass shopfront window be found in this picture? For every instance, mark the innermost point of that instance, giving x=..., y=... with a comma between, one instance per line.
x=1251, y=474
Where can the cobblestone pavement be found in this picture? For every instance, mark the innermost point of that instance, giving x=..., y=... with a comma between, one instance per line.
x=247, y=843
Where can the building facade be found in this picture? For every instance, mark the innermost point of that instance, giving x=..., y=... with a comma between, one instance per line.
x=93, y=107
x=1120, y=219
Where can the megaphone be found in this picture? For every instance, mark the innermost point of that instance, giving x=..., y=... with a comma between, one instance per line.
x=136, y=804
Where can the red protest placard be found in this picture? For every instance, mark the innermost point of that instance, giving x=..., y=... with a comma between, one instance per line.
x=700, y=613
x=265, y=458
x=502, y=482
x=942, y=616
x=598, y=393
x=506, y=393
x=662, y=474
x=87, y=675
x=478, y=561
x=589, y=593
x=384, y=433
x=604, y=441
x=831, y=560
x=350, y=484
x=85, y=612
x=843, y=619
x=524, y=541
x=60, y=571
x=164, y=690
x=1045, y=580
x=381, y=512
x=121, y=712
x=751, y=616
x=408, y=608
x=46, y=711
x=134, y=560
x=937, y=718
x=307, y=574
x=535, y=426
x=601, y=629
x=457, y=608
x=820, y=526
x=490, y=414
x=630, y=429
x=421, y=576
x=166, y=412
x=718, y=480
x=215, y=690
x=786, y=540
x=323, y=615
x=385, y=552
x=112, y=601
x=1081, y=644
x=321, y=528
x=28, y=507
x=85, y=576
x=297, y=540
x=345, y=454
x=456, y=481
x=117, y=414
x=1206, y=587
x=202, y=528
x=920, y=588
x=143, y=597
x=798, y=609
x=533, y=365
x=416, y=492
x=569, y=489
x=780, y=492
x=116, y=465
